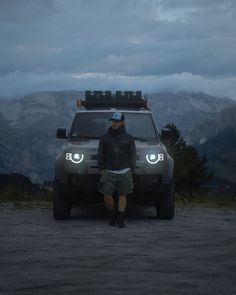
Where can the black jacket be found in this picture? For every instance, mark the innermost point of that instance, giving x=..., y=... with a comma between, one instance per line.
x=116, y=150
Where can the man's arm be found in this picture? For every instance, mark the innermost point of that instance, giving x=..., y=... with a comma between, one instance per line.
x=132, y=149
x=100, y=159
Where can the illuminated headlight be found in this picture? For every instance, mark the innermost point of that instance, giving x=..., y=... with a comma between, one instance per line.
x=74, y=157
x=154, y=158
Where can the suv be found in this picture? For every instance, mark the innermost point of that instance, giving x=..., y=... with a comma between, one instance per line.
x=76, y=171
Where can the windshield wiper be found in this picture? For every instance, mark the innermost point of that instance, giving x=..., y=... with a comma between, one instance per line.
x=89, y=137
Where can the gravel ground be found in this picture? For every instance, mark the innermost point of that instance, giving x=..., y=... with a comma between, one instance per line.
x=193, y=254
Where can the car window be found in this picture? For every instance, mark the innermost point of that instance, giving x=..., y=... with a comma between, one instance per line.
x=94, y=124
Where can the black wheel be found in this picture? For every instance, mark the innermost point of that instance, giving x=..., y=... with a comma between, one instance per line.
x=61, y=206
x=166, y=206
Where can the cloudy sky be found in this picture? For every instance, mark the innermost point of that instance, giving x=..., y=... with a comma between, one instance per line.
x=149, y=45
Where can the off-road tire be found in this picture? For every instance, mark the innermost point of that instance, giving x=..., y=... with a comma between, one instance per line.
x=61, y=206
x=166, y=206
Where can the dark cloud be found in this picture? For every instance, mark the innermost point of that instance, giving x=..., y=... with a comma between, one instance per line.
x=114, y=43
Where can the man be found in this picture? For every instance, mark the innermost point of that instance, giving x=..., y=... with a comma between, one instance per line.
x=116, y=162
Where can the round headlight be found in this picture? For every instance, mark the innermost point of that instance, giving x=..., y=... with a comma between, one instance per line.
x=154, y=158
x=75, y=157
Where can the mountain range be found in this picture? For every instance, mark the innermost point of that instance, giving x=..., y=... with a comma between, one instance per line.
x=187, y=110
x=220, y=151
x=28, y=125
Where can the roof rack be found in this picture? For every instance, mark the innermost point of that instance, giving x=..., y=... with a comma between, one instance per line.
x=107, y=99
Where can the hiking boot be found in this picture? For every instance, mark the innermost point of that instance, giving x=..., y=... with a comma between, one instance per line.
x=112, y=219
x=120, y=220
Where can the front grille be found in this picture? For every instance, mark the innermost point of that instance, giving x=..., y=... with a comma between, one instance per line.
x=95, y=157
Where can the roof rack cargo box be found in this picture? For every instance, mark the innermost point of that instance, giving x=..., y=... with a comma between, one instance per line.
x=97, y=95
x=129, y=95
x=123, y=99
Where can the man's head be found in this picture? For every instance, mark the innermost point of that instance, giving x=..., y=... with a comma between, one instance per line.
x=117, y=120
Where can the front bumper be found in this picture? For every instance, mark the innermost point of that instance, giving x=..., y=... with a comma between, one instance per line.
x=148, y=188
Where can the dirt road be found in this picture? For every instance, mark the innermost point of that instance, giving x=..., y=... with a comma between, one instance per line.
x=193, y=254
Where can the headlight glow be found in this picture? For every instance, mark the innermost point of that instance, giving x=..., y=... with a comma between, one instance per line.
x=75, y=158
x=154, y=158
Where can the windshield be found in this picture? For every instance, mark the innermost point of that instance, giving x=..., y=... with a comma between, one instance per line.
x=94, y=124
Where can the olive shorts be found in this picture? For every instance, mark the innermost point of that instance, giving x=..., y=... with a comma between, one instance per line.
x=110, y=182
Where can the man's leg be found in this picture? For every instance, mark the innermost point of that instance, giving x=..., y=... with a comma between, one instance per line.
x=110, y=205
x=125, y=186
x=122, y=202
x=108, y=183
x=109, y=202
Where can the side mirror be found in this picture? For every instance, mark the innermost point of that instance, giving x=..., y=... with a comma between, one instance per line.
x=165, y=134
x=61, y=133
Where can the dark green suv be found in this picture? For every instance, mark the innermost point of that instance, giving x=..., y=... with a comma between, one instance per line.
x=76, y=171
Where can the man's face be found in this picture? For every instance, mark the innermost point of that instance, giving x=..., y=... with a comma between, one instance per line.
x=116, y=124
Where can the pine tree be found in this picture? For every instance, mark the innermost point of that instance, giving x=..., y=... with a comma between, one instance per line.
x=190, y=167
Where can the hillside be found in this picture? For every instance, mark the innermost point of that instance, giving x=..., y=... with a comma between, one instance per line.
x=211, y=127
x=220, y=151
x=28, y=127
x=187, y=110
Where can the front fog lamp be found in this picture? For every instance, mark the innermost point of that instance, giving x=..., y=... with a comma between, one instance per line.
x=154, y=158
x=74, y=157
